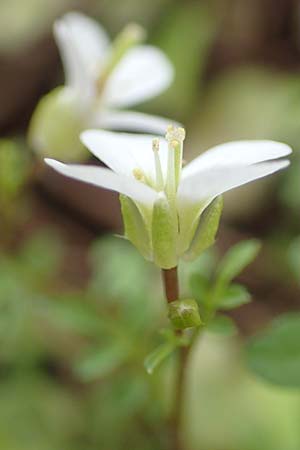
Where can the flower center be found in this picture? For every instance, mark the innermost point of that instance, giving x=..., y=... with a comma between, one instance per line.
x=175, y=138
x=131, y=35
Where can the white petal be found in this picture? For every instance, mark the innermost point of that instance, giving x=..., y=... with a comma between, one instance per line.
x=238, y=153
x=207, y=184
x=83, y=46
x=124, y=152
x=142, y=73
x=107, y=179
x=133, y=121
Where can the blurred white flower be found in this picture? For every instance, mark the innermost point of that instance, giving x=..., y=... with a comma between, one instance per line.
x=101, y=79
x=107, y=77
x=168, y=199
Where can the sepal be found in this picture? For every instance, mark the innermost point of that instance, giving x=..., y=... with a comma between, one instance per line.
x=134, y=227
x=56, y=125
x=207, y=229
x=164, y=233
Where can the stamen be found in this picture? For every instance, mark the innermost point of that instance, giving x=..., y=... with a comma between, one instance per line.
x=175, y=137
x=138, y=174
x=158, y=169
x=175, y=134
x=133, y=34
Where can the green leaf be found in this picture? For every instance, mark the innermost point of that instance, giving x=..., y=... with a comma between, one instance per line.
x=199, y=286
x=275, y=354
x=101, y=362
x=222, y=325
x=14, y=169
x=41, y=254
x=72, y=313
x=235, y=295
x=236, y=259
x=108, y=257
x=155, y=358
x=207, y=229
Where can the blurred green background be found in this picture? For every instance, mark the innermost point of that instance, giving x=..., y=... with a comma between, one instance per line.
x=75, y=327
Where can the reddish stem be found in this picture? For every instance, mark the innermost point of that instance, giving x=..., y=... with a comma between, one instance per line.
x=171, y=285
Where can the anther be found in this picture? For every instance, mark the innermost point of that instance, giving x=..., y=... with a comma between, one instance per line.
x=155, y=145
x=134, y=32
x=138, y=174
x=175, y=134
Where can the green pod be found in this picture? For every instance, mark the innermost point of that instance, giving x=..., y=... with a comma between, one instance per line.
x=184, y=314
x=164, y=234
x=134, y=227
x=56, y=125
x=207, y=229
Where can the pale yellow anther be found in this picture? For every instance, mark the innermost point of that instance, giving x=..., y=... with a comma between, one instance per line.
x=155, y=145
x=134, y=32
x=174, y=143
x=175, y=134
x=138, y=174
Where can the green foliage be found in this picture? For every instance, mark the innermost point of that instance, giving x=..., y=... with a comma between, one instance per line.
x=222, y=325
x=186, y=38
x=294, y=257
x=38, y=414
x=41, y=255
x=275, y=354
x=102, y=361
x=289, y=192
x=214, y=289
x=236, y=259
x=14, y=172
x=171, y=342
x=234, y=296
x=23, y=284
x=155, y=358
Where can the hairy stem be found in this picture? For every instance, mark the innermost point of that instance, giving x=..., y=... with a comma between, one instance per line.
x=171, y=285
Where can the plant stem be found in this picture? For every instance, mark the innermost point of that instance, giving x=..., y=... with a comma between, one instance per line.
x=171, y=285
x=170, y=278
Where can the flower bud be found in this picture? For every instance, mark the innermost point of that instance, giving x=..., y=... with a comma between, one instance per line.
x=184, y=314
x=56, y=125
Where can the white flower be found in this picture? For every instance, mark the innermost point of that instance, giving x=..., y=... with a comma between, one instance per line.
x=102, y=78
x=107, y=77
x=168, y=200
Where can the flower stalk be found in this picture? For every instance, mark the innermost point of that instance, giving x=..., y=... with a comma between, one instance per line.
x=171, y=286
